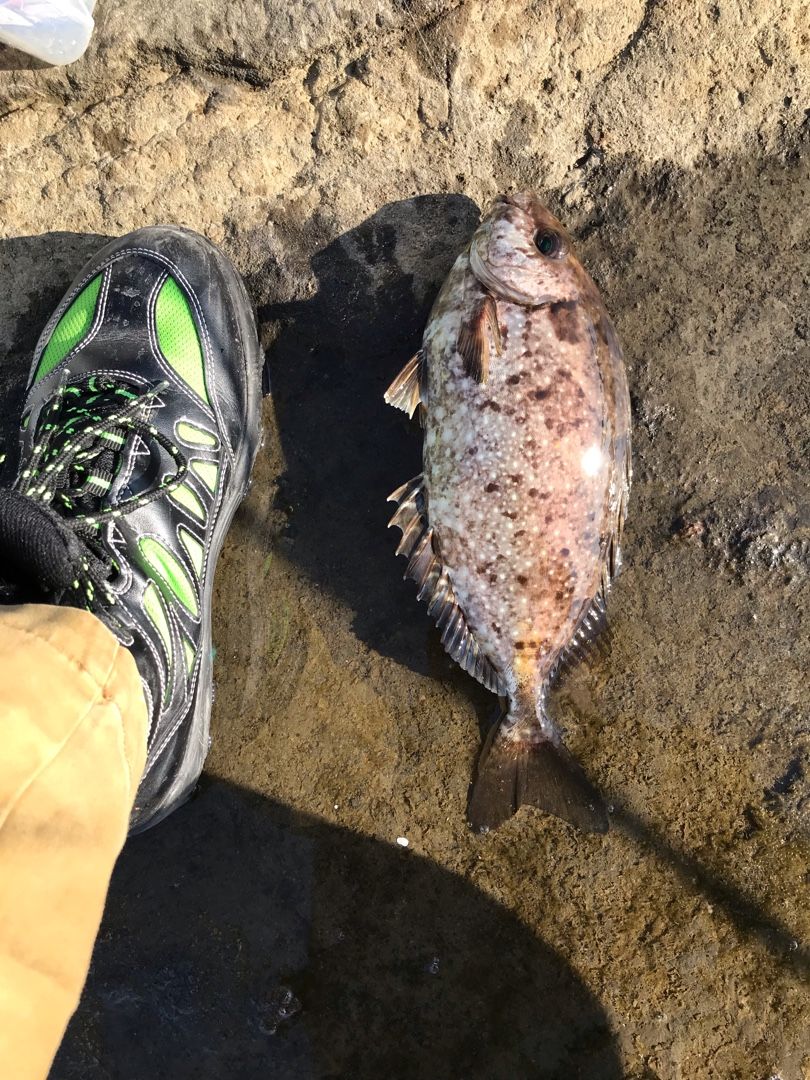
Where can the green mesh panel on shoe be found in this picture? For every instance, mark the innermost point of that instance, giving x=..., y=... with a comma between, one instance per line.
x=71, y=329
x=185, y=497
x=171, y=575
x=188, y=649
x=192, y=435
x=178, y=339
x=207, y=472
x=153, y=606
x=194, y=548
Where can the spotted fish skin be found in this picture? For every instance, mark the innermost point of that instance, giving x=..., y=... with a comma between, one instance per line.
x=525, y=485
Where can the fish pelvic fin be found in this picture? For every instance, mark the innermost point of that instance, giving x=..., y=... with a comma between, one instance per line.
x=533, y=770
x=420, y=547
x=408, y=391
x=474, y=338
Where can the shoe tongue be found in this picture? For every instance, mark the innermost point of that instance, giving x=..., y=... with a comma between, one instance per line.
x=39, y=552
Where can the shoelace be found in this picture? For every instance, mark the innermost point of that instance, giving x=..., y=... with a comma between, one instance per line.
x=81, y=434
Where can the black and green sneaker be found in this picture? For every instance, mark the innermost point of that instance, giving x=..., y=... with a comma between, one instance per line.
x=139, y=431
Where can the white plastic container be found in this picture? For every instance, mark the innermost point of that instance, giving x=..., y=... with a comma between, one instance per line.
x=56, y=31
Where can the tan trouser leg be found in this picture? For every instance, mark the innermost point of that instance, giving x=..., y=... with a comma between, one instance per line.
x=73, y=728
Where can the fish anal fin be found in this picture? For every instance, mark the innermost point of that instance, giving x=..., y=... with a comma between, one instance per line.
x=408, y=391
x=408, y=496
x=421, y=547
x=537, y=772
x=591, y=637
x=473, y=338
x=611, y=557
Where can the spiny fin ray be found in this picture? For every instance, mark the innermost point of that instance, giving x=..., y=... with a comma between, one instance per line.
x=409, y=389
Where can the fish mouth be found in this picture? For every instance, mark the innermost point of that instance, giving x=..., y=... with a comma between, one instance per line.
x=522, y=200
x=503, y=199
x=516, y=202
x=529, y=203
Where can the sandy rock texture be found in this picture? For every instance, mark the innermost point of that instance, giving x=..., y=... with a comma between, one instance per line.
x=340, y=153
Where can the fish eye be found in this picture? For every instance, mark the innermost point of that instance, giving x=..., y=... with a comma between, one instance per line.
x=550, y=244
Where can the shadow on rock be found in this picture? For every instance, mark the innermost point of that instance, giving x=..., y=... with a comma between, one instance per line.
x=244, y=941
x=743, y=909
x=345, y=449
x=14, y=60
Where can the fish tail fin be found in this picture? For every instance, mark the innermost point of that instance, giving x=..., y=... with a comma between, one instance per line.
x=531, y=771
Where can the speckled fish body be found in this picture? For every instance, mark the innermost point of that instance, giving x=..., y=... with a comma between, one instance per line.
x=512, y=533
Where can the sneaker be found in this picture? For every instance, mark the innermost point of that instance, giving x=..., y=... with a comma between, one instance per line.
x=139, y=431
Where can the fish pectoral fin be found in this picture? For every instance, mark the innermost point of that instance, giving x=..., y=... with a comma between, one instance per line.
x=409, y=389
x=421, y=547
x=473, y=338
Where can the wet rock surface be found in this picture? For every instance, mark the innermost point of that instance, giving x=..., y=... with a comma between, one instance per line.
x=340, y=154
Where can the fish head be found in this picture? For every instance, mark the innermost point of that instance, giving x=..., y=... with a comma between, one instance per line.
x=521, y=253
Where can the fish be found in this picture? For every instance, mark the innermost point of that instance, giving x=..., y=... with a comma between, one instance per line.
x=512, y=530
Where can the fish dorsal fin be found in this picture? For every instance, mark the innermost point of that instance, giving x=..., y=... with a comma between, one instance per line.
x=419, y=546
x=409, y=389
x=473, y=339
